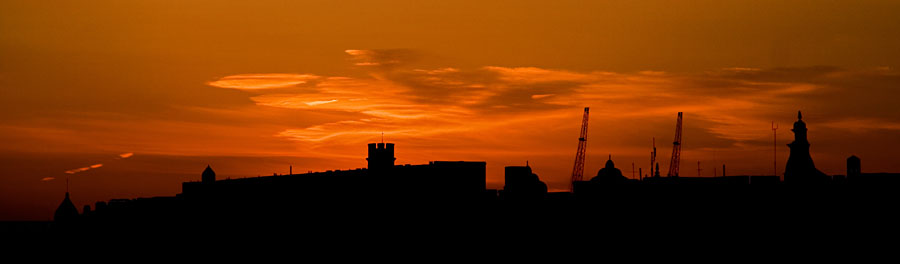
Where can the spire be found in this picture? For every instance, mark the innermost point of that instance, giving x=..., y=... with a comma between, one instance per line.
x=66, y=212
x=799, y=115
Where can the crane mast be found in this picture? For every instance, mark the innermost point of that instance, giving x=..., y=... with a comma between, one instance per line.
x=676, y=150
x=578, y=170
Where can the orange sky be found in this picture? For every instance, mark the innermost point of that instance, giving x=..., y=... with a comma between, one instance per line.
x=251, y=87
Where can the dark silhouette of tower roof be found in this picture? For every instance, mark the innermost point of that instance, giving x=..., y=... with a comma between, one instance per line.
x=609, y=174
x=800, y=168
x=208, y=175
x=66, y=212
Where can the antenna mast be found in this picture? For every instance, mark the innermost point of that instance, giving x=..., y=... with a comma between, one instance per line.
x=578, y=170
x=676, y=150
x=774, y=149
x=653, y=157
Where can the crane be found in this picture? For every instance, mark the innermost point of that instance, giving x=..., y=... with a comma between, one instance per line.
x=676, y=150
x=578, y=170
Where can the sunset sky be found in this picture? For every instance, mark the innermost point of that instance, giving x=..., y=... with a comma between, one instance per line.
x=131, y=98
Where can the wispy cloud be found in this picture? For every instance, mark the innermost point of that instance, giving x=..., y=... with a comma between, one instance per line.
x=500, y=109
x=98, y=165
x=262, y=81
x=421, y=102
x=82, y=169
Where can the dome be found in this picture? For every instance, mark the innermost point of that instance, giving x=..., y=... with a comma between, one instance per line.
x=609, y=174
x=610, y=164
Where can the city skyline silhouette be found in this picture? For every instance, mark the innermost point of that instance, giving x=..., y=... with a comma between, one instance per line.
x=130, y=103
x=455, y=187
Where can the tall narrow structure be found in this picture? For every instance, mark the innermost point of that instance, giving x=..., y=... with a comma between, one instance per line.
x=653, y=158
x=774, y=149
x=800, y=168
x=578, y=170
x=676, y=150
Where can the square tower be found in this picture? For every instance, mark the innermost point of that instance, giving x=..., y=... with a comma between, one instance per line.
x=381, y=156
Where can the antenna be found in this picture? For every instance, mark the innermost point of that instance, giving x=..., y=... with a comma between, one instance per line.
x=653, y=157
x=775, y=148
x=698, y=168
x=632, y=171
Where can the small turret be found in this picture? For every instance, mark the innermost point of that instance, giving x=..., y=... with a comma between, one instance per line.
x=209, y=176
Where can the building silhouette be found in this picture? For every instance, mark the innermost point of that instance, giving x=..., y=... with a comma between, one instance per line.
x=384, y=193
x=208, y=176
x=609, y=174
x=66, y=213
x=800, y=168
x=855, y=176
x=521, y=184
x=381, y=157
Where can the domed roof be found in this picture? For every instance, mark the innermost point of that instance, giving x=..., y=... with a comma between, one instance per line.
x=609, y=163
x=66, y=212
x=609, y=174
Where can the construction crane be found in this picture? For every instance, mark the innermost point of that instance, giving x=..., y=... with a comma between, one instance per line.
x=676, y=150
x=578, y=170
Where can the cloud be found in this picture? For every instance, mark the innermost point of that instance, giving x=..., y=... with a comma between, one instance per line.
x=48, y=179
x=263, y=81
x=733, y=104
x=126, y=155
x=383, y=58
x=82, y=169
x=73, y=171
x=526, y=111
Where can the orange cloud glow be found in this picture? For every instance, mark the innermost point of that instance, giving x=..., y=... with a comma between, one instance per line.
x=262, y=81
x=495, y=113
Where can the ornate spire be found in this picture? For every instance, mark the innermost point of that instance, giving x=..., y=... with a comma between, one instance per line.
x=799, y=115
